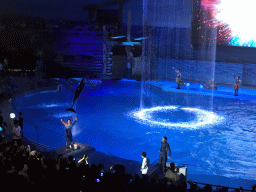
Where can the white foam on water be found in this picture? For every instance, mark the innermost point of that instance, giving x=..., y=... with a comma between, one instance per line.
x=203, y=117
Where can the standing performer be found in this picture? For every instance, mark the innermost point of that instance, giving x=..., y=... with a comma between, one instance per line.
x=145, y=164
x=236, y=85
x=163, y=153
x=69, y=138
x=178, y=79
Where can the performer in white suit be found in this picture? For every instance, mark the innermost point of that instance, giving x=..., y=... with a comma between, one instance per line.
x=145, y=164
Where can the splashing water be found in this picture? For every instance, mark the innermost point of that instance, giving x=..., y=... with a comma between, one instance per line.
x=203, y=117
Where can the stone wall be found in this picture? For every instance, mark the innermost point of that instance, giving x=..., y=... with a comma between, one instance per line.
x=119, y=67
x=249, y=74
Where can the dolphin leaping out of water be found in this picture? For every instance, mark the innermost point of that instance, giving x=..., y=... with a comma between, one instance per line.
x=79, y=89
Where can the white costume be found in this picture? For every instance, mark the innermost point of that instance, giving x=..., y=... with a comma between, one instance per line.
x=145, y=165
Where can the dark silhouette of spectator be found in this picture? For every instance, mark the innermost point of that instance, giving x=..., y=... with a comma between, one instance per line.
x=9, y=93
x=254, y=187
x=6, y=67
x=1, y=69
x=193, y=187
x=20, y=119
x=223, y=189
x=16, y=131
x=101, y=169
x=6, y=62
x=207, y=188
x=171, y=175
x=1, y=118
x=118, y=168
x=4, y=127
x=71, y=164
x=181, y=183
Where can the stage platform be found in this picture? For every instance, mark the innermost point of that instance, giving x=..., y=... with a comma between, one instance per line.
x=77, y=153
x=226, y=91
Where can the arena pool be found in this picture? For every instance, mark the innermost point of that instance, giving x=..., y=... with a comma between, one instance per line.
x=221, y=142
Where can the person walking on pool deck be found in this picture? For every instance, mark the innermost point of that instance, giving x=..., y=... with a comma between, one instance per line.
x=69, y=127
x=163, y=153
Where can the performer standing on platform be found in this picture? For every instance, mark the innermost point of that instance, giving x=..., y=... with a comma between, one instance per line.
x=69, y=138
x=163, y=153
x=178, y=78
x=236, y=85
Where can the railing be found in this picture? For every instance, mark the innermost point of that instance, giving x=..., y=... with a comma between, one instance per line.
x=38, y=136
x=25, y=141
x=21, y=72
x=38, y=146
x=154, y=167
x=56, y=139
x=219, y=186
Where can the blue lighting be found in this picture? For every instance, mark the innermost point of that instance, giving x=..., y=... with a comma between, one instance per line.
x=118, y=37
x=140, y=38
x=130, y=43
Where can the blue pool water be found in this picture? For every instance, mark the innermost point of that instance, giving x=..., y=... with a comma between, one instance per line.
x=107, y=120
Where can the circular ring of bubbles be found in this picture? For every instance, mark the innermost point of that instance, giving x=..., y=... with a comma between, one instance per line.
x=203, y=117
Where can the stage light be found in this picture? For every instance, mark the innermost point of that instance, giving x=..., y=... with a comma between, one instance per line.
x=203, y=117
x=237, y=16
x=188, y=84
x=201, y=86
x=12, y=115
